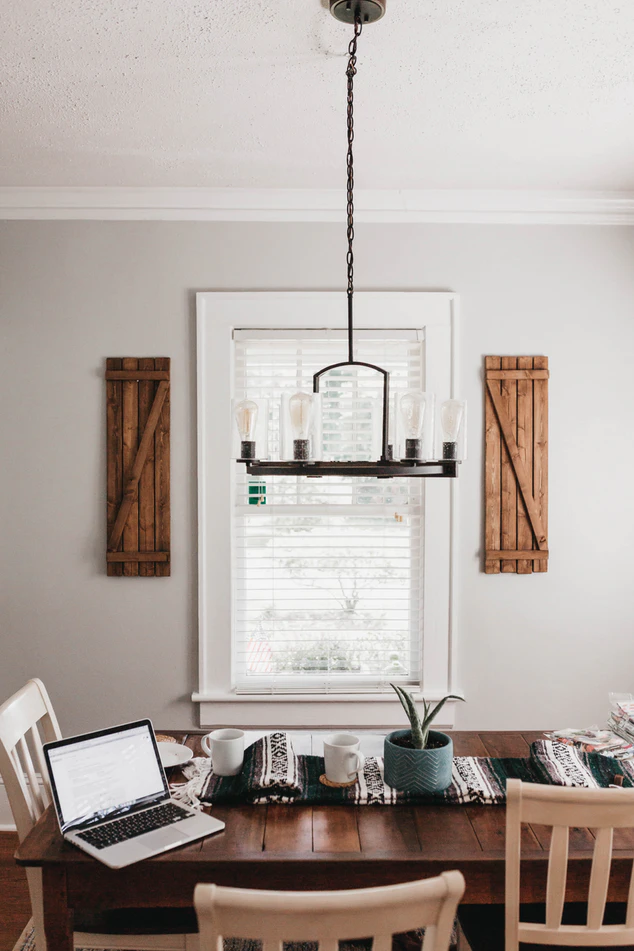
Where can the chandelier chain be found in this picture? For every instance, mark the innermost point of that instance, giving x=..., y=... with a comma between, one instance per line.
x=351, y=71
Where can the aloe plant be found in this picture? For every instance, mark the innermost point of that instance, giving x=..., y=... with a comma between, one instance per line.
x=420, y=727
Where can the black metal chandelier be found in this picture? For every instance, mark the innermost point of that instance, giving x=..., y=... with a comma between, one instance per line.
x=415, y=407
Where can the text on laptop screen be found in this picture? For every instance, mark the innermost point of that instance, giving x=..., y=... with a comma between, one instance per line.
x=105, y=774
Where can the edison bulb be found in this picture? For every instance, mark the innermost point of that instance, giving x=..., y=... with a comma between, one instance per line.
x=412, y=408
x=300, y=408
x=451, y=414
x=246, y=413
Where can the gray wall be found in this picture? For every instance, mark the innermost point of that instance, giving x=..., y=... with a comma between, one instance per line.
x=534, y=650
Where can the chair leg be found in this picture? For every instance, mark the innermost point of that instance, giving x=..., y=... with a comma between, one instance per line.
x=34, y=881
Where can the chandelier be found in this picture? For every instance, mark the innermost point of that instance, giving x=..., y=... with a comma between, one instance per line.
x=407, y=423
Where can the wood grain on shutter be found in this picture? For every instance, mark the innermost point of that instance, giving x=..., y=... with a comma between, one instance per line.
x=508, y=393
x=516, y=464
x=138, y=432
x=493, y=503
x=114, y=452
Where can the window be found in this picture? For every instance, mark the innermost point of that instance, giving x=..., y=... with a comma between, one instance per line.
x=327, y=572
x=314, y=594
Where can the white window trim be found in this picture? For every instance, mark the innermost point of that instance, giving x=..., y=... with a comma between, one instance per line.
x=218, y=314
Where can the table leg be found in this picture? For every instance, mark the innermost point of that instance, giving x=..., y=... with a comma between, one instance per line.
x=58, y=917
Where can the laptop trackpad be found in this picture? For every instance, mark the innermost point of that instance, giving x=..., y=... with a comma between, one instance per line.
x=163, y=838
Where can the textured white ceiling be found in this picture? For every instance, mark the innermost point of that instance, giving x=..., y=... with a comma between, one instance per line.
x=251, y=93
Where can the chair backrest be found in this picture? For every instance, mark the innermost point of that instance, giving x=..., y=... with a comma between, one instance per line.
x=27, y=720
x=328, y=917
x=563, y=808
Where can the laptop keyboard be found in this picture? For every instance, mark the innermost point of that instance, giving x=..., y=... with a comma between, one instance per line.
x=129, y=827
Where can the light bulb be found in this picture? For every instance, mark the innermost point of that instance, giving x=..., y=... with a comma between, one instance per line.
x=451, y=413
x=412, y=408
x=300, y=408
x=246, y=413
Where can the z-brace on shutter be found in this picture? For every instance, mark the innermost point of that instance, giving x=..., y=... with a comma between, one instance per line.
x=516, y=464
x=138, y=476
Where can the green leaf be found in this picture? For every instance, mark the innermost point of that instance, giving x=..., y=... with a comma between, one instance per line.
x=409, y=706
x=429, y=717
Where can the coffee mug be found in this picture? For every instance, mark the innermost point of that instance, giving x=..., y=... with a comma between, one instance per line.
x=226, y=749
x=342, y=757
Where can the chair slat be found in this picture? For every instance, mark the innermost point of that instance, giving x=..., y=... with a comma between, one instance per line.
x=380, y=942
x=557, y=872
x=332, y=944
x=629, y=917
x=430, y=941
x=27, y=804
x=36, y=743
x=599, y=878
x=34, y=786
x=278, y=946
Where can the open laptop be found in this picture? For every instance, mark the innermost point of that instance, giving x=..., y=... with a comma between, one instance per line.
x=112, y=798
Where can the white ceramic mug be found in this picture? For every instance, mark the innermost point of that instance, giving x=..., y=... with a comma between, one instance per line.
x=226, y=749
x=342, y=757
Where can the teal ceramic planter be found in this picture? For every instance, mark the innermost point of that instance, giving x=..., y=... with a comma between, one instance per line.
x=418, y=771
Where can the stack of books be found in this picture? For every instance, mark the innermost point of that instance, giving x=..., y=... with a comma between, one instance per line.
x=612, y=742
x=621, y=720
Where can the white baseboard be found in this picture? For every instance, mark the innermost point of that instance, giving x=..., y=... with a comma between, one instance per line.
x=6, y=817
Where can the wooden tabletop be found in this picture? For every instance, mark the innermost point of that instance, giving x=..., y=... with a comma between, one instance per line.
x=333, y=846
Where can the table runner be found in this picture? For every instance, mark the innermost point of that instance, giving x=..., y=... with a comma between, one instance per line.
x=273, y=772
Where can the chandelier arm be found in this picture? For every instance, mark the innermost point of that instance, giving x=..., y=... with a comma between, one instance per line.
x=385, y=454
x=351, y=71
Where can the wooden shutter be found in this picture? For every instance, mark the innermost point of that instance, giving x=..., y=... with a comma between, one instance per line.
x=516, y=464
x=138, y=466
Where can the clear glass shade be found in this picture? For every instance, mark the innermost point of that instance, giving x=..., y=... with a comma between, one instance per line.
x=251, y=429
x=301, y=412
x=246, y=415
x=300, y=426
x=412, y=406
x=452, y=426
x=413, y=419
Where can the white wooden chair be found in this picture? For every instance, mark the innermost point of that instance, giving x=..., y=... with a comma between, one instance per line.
x=561, y=808
x=329, y=917
x=27, y=720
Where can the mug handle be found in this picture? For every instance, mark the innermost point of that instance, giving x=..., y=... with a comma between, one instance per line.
x=359, y=766
x=205, y=745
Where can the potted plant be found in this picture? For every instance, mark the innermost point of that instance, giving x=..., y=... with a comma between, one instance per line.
x=418, y=759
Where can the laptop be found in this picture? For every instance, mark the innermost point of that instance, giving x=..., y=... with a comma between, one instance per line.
x=112, y=798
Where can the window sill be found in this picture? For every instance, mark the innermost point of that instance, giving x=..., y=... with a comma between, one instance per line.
x=300, y=711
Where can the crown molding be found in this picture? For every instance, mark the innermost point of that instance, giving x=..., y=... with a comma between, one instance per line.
x=316, y=205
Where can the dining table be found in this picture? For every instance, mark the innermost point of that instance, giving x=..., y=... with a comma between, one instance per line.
x=320, y=847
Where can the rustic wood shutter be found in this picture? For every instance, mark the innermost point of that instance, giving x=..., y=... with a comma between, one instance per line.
x=138, y=466
x=516, y=464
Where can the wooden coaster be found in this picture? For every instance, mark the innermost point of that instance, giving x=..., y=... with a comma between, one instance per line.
x=162, y=738
x=323, y=779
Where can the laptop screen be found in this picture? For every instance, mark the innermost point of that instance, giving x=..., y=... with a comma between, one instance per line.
x=100, y=774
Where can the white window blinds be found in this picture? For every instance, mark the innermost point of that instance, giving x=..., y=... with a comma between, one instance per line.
x=327, y=572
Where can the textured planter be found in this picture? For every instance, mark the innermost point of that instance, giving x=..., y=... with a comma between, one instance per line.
x=418, y=771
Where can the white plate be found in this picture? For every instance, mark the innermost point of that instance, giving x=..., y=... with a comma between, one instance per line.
x=173, y=754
